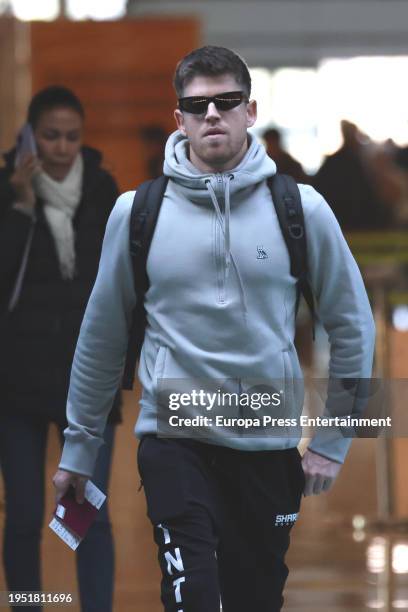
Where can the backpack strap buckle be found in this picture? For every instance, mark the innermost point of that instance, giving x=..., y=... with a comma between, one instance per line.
x=296, y=231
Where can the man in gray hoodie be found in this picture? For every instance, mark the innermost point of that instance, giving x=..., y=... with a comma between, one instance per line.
x=220, y=305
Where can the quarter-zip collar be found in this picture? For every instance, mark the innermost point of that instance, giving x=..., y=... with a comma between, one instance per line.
x=215, y=188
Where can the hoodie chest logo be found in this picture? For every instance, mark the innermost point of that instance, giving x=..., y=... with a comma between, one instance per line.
x=262, y=254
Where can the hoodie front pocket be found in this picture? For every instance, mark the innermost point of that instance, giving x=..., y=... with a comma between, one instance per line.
x=294, y=388
x=288, y=383
x=159, y=366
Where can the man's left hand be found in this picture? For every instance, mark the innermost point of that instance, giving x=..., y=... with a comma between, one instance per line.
x=320, y=473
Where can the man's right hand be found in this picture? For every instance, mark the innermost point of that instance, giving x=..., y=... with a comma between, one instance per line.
x=63, y=480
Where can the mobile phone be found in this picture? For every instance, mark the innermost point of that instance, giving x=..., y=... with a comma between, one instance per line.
x=25, y=144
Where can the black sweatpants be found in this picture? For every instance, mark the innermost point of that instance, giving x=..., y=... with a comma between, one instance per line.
x=221, y=520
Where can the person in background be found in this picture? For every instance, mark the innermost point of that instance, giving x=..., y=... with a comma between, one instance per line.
x=153, y=138
x=390, y=181
x=54, y=206
x=400, y=155
x=347, y=182
x=285, y=163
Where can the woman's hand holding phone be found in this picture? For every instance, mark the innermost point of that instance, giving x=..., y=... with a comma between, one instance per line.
x=21, y=181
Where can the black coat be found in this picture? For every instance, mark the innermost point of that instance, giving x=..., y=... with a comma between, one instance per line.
x=348, y=188
x=38, y=339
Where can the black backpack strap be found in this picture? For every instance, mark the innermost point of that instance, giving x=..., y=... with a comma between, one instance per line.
x=288, y=205
x=143, y=218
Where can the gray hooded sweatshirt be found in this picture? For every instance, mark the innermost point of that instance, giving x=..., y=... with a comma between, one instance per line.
x=221, y=302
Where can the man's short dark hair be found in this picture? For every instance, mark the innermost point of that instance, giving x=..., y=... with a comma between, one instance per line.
x=53, y=97
x=211, y=61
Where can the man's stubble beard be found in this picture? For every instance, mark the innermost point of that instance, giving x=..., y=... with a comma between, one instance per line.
x=215, y=158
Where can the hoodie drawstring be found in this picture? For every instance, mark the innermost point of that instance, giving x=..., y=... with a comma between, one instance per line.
x=225, y=227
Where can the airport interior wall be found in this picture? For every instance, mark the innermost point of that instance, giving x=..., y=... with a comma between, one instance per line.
x=276, y=33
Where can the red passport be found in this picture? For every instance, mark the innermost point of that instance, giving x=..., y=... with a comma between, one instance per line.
x=77, y=517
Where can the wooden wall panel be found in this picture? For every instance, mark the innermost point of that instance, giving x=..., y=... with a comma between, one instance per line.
x=14, y=77
x=123, y=73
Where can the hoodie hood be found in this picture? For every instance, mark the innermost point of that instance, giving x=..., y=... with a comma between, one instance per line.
x=255, y=167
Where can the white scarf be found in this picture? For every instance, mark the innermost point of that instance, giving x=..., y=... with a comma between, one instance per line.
x=61, y=200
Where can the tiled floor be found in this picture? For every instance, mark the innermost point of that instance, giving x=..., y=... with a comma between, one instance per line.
x=340, y=559
x=339, y=569
x=333, y=567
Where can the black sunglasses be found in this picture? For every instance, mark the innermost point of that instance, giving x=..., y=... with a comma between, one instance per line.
x=223, y=102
